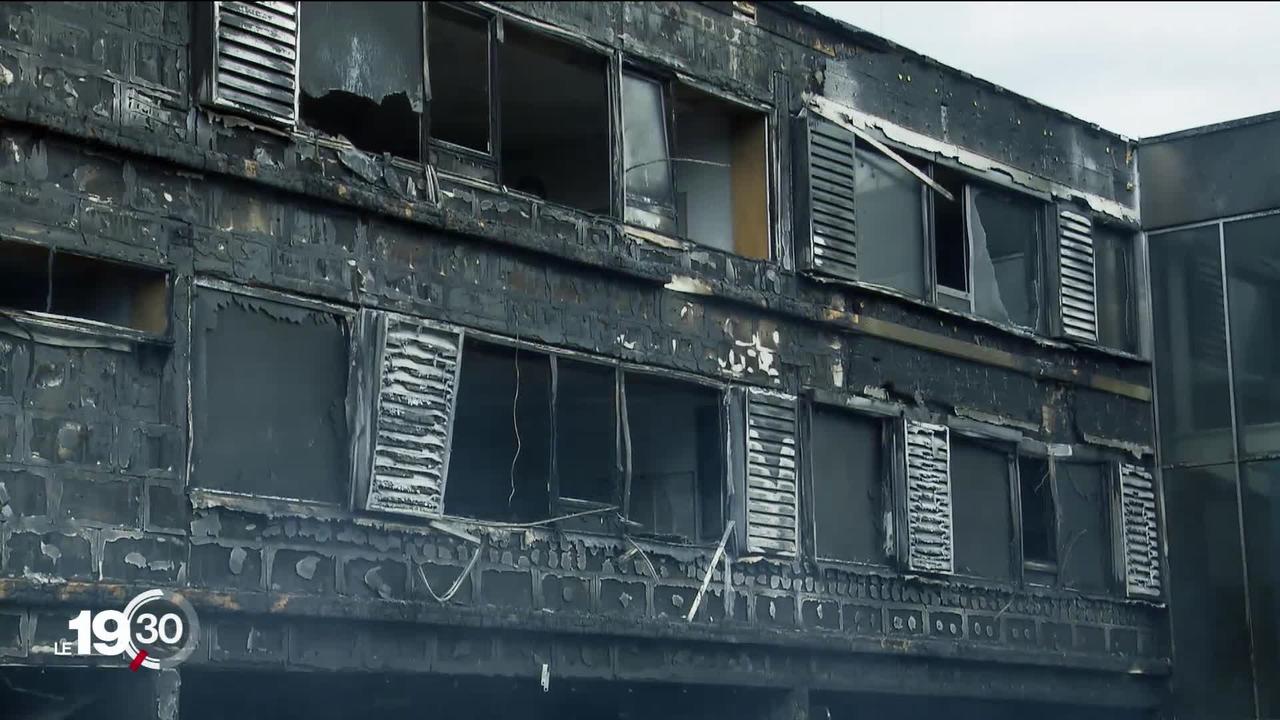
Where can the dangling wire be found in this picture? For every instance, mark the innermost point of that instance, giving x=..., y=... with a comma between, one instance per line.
x=515, y=425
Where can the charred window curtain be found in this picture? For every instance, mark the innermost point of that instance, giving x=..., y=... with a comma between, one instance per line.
x=1005, y=237
x=362, y=74
x=269, y=405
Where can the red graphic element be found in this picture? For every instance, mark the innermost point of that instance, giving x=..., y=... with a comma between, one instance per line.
x=137, y=661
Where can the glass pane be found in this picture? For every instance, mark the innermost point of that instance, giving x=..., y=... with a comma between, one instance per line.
x=458, y=55
x=890, y=211
x=586, y=431
x=1253, y=286
x=847, y=486
x=1262, y=548
x=1206, y=576
x=650, y=198
x=1005, y=235
x=1190, y=347
x=1085, y=537
x=982, y=513
x=1117, y=315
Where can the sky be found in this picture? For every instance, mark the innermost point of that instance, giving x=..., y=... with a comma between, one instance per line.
x=1138, y=69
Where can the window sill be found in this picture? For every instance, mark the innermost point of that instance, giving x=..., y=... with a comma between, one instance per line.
x=77, y=332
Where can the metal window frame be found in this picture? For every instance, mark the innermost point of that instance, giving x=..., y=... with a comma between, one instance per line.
x=493, y=33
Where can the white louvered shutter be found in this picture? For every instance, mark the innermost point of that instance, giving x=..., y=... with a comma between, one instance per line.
x=929, y=536
x=826, y=200
x=1140, y=532
x=1077, y=285
x=255, y=66
x=771, y=473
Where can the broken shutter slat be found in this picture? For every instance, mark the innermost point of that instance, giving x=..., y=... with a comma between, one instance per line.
x=416, y=383
x=1140, y=532
x=929, y=537
x=825, y=202
x=255, y=64
x=771, y=499
x=1077, y=279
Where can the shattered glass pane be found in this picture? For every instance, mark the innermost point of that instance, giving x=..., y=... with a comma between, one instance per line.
x=889, y=207
x=1191, y=345
x=1253, y=287
x=647, y=169
x=1006, y=233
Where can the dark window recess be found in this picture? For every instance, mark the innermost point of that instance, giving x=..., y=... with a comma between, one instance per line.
x=848, y=486
x=721, y=171
x=587, y=431
x=1005, y=236
x=554, y=101
x=1085, y=549
x=889, y=206
x=269, y=398
x=500, y=460
x=677, y=466
x=38, y=279
x=362, y=74
x=458, y=55
x=1039, y=533
x=1115, y=288
x=982, y=516
x=951, y=250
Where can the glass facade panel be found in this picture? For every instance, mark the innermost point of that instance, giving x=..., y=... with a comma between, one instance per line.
x=1262, y=540
x=1253, y=296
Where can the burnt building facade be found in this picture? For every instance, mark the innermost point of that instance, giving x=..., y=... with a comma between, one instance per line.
x=599, y=360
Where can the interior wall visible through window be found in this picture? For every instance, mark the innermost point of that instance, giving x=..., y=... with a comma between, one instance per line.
x=458, y=61
x=361, y=72
x=554, y=101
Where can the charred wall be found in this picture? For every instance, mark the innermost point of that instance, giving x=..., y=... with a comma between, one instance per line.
x=105, y=151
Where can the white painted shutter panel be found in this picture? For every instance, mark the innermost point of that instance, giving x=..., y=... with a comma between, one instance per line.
x=772, y=501
x=1077, y=286
x=929, y=537
x=1141, y=533
x=255, y=69
x=416, y=383
x=826, y=200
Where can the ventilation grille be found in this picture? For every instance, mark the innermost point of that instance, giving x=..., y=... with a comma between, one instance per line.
x=1141, y=532
x=416, y=387
x=771, y=473
x=929, y=535
x=831, y=210
x=1075, y=261
x=256, y=60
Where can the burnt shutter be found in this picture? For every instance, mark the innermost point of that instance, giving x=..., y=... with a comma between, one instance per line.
x=771, y=473
x=1077, y=284
x=255, y=60
x=929, y=539
x=414, y=384
x=824, y=199
x=1140, y=532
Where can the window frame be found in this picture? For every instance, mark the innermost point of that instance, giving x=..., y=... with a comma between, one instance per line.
x=493, y=25
x=1008, y=446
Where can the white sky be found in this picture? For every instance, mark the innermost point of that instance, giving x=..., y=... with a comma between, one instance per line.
x=1139, y=69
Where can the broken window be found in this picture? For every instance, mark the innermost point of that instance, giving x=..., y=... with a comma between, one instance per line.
x=677, y=457
x=362, y=74
x=1116, y=287
x=1085, y=551
x=39, y=279
x=722, y=194
x=1039, y=525
x=981, y=508
x=889, y=204
x=715, y=153
x=554, y=100
x=1005, y=237
x=458, y=52
x=950, y=244
x=848, y=480
x=500, y=458
x=646, y=156
x=269, y=398
x=587, y=437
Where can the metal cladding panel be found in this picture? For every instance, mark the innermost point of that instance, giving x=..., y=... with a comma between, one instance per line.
x=256, y=59
x=1078, y=286
x=929, y=538
x=416, y=385
x=772, y=498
